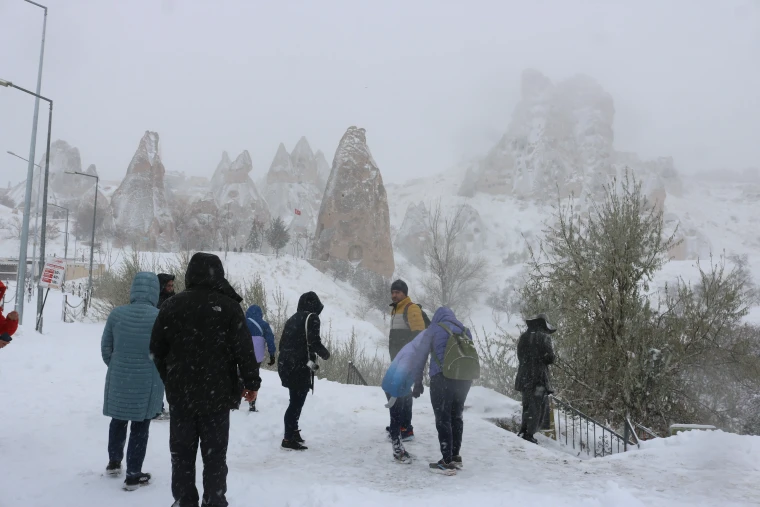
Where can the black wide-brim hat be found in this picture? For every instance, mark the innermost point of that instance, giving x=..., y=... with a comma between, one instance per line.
x=542, y=318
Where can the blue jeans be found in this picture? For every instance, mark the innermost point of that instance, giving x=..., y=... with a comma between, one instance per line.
x=138, y=444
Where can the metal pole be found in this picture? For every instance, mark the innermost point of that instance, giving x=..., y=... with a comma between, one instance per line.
x=40, y=300
x=36, y=220
x=21, y=278
x=92, y=241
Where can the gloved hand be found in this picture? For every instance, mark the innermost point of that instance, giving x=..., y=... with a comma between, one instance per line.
x=271, y=360
x=418, y=390
x=326, y=356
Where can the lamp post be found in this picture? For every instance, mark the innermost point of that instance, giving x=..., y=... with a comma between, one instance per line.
x=92, y=240
x=36, y=212
x=21, y=278
x=22, y=253
x=65, y=238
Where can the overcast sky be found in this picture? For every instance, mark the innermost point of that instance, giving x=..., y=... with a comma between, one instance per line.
x=433, y=82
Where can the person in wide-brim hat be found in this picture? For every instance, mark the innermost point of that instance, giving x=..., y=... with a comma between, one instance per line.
x=539, y=319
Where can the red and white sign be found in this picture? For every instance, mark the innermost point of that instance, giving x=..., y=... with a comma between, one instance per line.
x=52, y=274
x=298, y=212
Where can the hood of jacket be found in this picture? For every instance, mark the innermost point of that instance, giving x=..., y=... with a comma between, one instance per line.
x=254, y=312
x=205, y=271
x=145, y=289
x=310, y=302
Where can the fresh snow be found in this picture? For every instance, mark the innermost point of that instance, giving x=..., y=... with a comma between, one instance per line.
x=54, y=442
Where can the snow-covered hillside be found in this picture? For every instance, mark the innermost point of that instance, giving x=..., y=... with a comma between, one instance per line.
x=54, y=441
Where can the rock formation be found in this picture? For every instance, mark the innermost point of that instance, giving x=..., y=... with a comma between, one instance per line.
x=294, y=183
x=354, y=222
x=561, y=136
x=65, y=158
x=233, y=188
x=140, y=208
x=413, y=234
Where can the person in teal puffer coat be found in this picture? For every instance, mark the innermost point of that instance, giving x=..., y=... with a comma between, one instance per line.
x=133, y=391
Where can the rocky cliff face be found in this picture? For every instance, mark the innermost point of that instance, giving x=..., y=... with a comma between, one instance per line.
x=65, y=158
x=413, y=234
x=561, y=136
x=354, y=223
x=139, y=206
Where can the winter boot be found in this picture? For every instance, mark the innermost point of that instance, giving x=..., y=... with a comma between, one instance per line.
x=407, y=434
x=399, y=453
x=252, y=408
x=113, y=469
x=135, y=481
x=297, y=437
x=529, y=438
x=457, y=460
x=292, y=445
x=441, y=467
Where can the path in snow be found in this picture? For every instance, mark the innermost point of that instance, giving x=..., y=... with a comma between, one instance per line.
x=53, y=448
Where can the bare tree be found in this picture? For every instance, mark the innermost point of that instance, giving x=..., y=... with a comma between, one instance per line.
x=14, y=227
x=52, y=230
x=454, y=275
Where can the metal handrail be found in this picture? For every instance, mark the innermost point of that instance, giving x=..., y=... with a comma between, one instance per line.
x=353, y=376
x=576, y=414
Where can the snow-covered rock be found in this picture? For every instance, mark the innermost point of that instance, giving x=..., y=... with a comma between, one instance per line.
x=140, y=207
x=65, y=158
x=294, y=183
x=354, y=221
x=413, y=234
x=561, y=138
x=233, y=188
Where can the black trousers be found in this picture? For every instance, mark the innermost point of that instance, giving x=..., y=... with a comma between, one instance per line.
x=534, y=410
x=213, y=432
x=448, y=397
x=293, y=413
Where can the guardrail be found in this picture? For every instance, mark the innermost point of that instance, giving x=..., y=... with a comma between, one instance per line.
x=580, y=431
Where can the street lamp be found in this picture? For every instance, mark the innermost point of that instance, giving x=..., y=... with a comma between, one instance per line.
x=21, y=277
x=36, y=211
x=92, y=240
x=27, y=205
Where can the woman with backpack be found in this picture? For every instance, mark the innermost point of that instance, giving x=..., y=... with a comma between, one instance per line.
x=262, y=335
x=299, y=346
x=454, y=364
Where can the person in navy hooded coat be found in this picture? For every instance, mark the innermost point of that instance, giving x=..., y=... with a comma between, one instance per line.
x=447, y=395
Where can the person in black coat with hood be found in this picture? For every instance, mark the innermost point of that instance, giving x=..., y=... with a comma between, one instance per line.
x=199, y=342
x=166, y=282
x=535, y=354
x=299, y=346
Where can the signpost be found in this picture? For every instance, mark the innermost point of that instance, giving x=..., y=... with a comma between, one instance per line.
x=52, y=278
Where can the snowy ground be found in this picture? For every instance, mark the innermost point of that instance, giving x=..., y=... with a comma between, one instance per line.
x=53, y=448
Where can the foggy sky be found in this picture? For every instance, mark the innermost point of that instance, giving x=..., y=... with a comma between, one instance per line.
x=433, y=82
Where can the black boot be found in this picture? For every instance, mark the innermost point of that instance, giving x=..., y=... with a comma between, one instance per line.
x=292, y=445
x=135, y=481
x=113, y=469
x=297, y=437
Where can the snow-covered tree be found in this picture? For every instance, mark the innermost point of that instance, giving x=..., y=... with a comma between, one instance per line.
x=277, y=235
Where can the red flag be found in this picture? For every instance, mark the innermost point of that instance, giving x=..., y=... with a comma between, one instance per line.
x=298, y=211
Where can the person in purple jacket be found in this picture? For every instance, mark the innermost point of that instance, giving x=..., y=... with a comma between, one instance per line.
x=447, y=395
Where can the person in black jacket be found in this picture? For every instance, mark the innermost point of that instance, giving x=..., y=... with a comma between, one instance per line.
x=199, y=342
x=535, y=354
x=166, y=282
x=299, y=345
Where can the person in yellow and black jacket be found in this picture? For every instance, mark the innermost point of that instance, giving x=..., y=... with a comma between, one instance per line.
x=406, y=323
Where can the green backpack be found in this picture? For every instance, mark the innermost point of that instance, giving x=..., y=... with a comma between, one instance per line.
x=460, y=361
